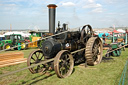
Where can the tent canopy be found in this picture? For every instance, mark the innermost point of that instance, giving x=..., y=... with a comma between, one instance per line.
x=101, y=34
x=115, y=31
x=120, y=30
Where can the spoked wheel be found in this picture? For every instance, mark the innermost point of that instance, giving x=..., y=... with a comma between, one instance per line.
x=34, y=58
x=93, y=52
x=63, y=64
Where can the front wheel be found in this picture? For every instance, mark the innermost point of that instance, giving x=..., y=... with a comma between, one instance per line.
x=63, y=64
x=34, y=58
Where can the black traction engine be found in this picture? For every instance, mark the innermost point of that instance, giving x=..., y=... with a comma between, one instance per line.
x=64, y=47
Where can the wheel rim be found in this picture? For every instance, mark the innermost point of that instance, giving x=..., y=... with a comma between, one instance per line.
x=34, y=58
x=22, y=45
x=96, y=50
x=63, y=64
x=7, y=47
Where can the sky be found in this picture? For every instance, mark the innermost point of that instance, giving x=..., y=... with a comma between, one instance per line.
x=33, y=14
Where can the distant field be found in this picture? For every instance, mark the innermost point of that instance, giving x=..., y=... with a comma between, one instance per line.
x=106, y=73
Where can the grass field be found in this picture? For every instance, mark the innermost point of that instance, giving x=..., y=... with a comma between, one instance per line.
x=106, y=73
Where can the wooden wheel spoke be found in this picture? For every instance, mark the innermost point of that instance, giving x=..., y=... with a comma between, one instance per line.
x=98, y=46
x=60, y=64
x=32, y=63
x=68, y=59
x=95, y=57
x=65, y=71
x=36, y=55
x=61, y=71
x=66, y=56
x=38, y=68
x=33, y=58
x=41, y=57
x=68, y=64
x=67, y=68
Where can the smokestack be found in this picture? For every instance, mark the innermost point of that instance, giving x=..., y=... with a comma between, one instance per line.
x=52, y=14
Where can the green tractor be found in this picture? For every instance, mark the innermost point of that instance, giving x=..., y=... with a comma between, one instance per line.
x=13, y=40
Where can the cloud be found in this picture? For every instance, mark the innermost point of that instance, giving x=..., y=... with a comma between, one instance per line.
x=92, y=6
x=91, y=1
x=122, y=14
x=98, y=10
x=7, y=8
x=68, y=4
x=9, y=5
x=111, y=13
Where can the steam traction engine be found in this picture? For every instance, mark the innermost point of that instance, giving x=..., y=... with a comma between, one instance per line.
x=66, y=50
x=61, y=46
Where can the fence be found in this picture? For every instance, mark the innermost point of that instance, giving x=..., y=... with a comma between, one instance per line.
x=124, y=76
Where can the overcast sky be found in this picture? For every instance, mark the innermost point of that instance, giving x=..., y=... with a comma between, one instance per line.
x=30, y=14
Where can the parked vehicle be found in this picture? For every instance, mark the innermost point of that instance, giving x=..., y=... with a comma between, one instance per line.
x=13, y=40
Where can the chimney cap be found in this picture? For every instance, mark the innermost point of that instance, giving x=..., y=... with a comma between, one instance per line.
x=52, y=6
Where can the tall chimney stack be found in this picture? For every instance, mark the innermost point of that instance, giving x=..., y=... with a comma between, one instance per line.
x=52, y=14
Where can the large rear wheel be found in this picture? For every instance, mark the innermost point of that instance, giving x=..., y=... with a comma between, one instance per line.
x=93, y=52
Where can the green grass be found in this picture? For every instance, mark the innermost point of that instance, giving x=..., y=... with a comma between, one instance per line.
x=106, y=73
x=108, y=41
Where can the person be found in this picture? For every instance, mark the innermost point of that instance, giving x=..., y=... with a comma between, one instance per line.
x=104, y=38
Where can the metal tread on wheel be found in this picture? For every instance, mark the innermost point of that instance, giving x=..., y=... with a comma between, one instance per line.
x=93, y=51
